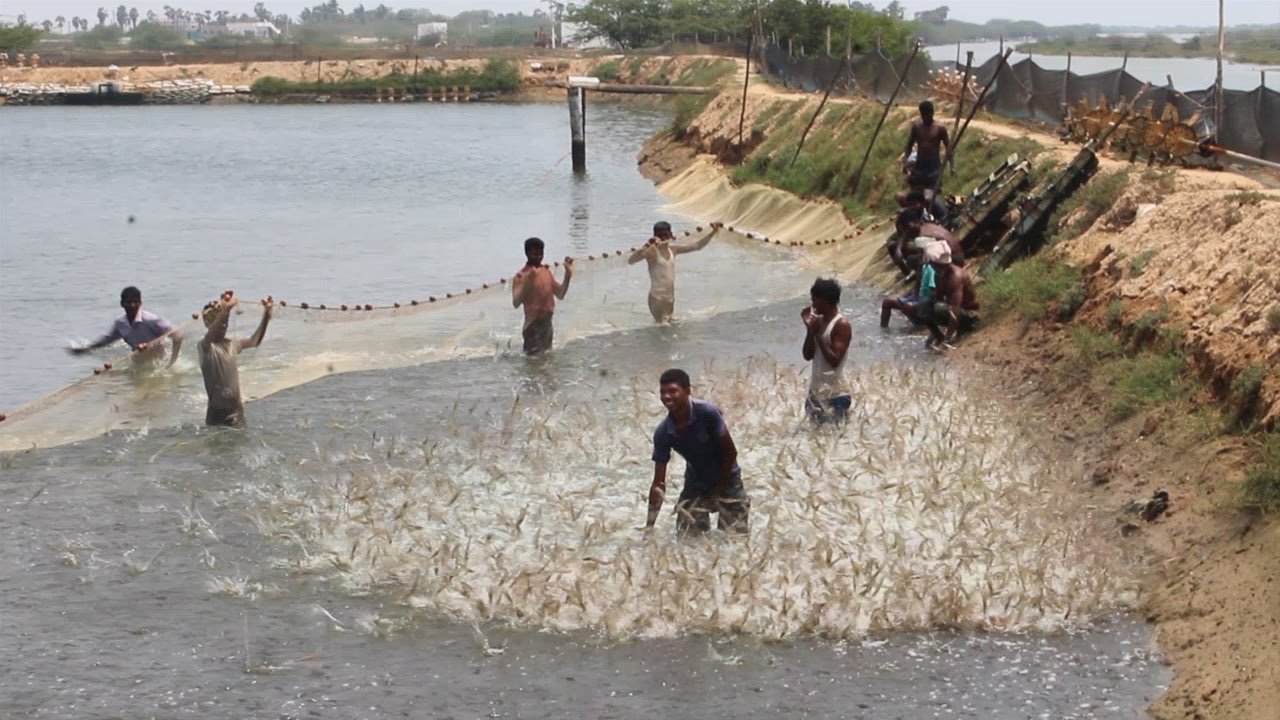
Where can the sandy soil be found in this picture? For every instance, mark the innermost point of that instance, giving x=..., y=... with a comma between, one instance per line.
x=1213, y=588
x=535, y=70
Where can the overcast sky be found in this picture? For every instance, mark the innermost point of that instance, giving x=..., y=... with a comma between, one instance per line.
x=1133, y=12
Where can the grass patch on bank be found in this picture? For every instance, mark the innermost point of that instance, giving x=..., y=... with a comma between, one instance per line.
x=1087, y=204
x=498, y=75
x=1029, y=287
x=704, y=72
x=608, y=71
x=829, y=161
x=1261, y=487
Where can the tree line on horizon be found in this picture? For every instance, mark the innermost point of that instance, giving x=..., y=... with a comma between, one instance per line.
x=807, y=26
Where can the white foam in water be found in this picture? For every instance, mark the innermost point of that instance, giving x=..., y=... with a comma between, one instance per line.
x=925, y=512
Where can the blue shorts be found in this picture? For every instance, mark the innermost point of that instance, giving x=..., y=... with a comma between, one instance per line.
x=833, y=410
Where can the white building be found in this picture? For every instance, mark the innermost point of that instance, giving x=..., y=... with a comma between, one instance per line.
x=257, y=29
x=433, y=29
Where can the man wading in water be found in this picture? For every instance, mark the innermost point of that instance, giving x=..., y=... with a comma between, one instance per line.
x=139, y=329
x=826, y=343
x=535, y=287
x=712, y=480
x=218, y=361
x=928, y=138
x=661, y=253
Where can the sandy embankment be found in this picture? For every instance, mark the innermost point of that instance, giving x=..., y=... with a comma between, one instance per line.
x=1213, y=593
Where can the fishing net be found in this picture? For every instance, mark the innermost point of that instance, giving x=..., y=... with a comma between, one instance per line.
x=309, y=339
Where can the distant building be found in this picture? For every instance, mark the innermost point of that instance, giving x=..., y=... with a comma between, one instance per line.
x=437, y=30
x=256, y=29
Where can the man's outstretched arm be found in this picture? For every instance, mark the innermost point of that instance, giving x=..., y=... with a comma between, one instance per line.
x=695, y=246
x=255, y=340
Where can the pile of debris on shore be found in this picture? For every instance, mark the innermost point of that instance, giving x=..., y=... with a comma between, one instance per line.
x=159, y=92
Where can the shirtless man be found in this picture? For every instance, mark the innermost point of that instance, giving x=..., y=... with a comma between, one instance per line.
x=218, y=361
x=661, y=251
x=956, y=302
x=928, y=138
x=139, y=329
x=535, y=287
x=826, y=343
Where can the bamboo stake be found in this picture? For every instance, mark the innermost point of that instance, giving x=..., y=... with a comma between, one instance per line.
x=857, y=176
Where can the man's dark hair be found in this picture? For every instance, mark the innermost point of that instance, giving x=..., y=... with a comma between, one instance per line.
x=915, y=195
x=675, y=375
x=130, y=293
x=534, y=243
x=826, y=289
x=660, y=227
x=910, y=215
x=926, y=107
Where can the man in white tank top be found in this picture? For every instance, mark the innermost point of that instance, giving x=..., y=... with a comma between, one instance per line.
x=660, y=251
x=826, y=344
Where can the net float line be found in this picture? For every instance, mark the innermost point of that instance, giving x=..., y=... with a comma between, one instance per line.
x=115, y=364
x=353, y=312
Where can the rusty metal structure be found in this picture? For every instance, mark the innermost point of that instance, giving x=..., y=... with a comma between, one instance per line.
x=1142, y=136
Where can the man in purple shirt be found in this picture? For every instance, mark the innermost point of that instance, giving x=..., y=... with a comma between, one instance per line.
x=138, y=328
x=696, y=430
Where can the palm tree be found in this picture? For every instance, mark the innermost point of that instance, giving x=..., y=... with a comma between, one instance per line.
x=61, y=22
x=133, y=17
x=102, y=17
x=122, y=17
x=47, y=25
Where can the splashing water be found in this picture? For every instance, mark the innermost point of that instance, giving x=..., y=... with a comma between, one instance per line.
x=923, y=513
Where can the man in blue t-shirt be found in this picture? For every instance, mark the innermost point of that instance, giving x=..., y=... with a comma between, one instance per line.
x=696, y=430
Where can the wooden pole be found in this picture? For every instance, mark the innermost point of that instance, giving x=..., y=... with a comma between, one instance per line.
x=955, y=142
x=828, y=41
x=830, y=86
x=1222, y=42
x=577, y=130
x=964, y=90
x=1066, y=79
x=742, y=117
x=857, y=176
x=319, y=62
x=415, y=66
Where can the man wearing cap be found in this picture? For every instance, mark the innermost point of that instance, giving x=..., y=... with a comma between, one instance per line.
x=928, y=138
x=139, y=329
x=660, y=252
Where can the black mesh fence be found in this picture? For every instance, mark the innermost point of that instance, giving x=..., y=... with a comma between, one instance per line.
x=1250, y=120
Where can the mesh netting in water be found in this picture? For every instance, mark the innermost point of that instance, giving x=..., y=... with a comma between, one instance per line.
x=308, y=340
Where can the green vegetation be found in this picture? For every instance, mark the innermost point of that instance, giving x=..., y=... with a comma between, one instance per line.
x=1027, y=288
x=1087, y=204
x=1254, y=45
x=18, y=38
x=152, y=36
x=1273, y=318
x=630, y=24
x=102, y=37
x=1262, y=483
x=1145, y=380
x=705, y=72
x=498, y=75
x=954, y=31
x=1139, y=263
x=608, y=71
x=1250, y=197
x=1246, y=390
